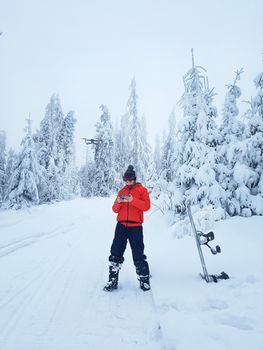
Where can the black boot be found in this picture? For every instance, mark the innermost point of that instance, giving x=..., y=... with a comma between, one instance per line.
x=142, y=270
x=112, y=284
x=145, y=283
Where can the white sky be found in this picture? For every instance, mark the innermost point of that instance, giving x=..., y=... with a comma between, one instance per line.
x=88, y=51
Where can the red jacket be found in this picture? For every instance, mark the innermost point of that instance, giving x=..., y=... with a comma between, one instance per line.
x=131, y=213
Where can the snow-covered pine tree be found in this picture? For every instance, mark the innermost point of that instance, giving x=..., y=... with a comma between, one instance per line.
x=168, y=152
x=11, y=163
x=22, y=188
x=50, y=155
x=145, y=148
x=66, y=139
x=155, y=163
x=164, y=187
x=256, y=132
x=138, y=154
x=252, y=177
x=232, y=129
x=157, y=155
x=121, y=149
x=231, y=150
x=87, y=178
x=3, y=176
x=104, y=156
x=195, y=177
x=67, y=168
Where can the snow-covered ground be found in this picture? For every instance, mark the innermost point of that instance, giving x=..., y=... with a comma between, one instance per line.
x=54, y=264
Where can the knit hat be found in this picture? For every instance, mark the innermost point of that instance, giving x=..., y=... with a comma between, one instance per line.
x=129, y=174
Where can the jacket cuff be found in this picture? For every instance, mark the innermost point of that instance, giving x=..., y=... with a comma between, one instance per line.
x=116, y=207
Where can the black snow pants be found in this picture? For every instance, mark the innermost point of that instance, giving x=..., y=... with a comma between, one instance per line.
x=135, y=237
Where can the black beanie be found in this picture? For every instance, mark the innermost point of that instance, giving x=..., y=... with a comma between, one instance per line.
x=129, y=174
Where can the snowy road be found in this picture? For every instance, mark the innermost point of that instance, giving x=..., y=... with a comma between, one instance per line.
x=53, y=265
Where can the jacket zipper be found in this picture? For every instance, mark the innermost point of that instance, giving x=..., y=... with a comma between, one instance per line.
x=128, y=207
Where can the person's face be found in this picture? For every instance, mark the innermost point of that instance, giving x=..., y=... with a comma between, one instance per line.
x=130, y=182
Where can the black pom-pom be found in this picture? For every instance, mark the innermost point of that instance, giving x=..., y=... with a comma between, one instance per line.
x=129, y=174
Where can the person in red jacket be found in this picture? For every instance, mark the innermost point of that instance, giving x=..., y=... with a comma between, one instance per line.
x=131, y=202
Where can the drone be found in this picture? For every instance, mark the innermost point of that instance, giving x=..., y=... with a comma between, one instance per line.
x=90, y=141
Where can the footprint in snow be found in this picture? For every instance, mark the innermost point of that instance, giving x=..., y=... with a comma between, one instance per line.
x=216, y=304
x=242, y=323
x=251, y=279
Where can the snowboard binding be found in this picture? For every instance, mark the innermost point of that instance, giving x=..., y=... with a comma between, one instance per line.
x=203, y=239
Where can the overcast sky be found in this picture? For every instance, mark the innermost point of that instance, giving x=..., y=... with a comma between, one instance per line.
x=88, y=51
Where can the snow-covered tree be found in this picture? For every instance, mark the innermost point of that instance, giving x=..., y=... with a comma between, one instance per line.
x=131, y=146
x=168, y=151
x=67, y=167
x=3, y=176
x=157, y=155
x=49, y=133
x=121, y=149
x=256, y=133
x=133, y=127
x=195, y=176
x=87, y=178
x=199, y=113
x=232, y=129
x=49, y=154
x=145, y=148
x=230, y=152
x=164, y=187
x=154, y=170
x=55, y=139
x=66, y=139
x=104, y=155
x=11, y=163
x=22, y=188
x=139, y=150
x=250, y=172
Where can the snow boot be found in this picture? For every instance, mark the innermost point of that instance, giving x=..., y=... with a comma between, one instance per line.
x=143, y=273
x=112, y=284
x=145, y=283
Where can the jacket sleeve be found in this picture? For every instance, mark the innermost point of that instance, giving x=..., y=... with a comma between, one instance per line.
x=143, y=203
x=116, y=206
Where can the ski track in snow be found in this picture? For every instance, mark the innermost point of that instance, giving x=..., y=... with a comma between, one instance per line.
x=51, y=287
x=130, y=321
x=53, y=262
x=12, y=246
